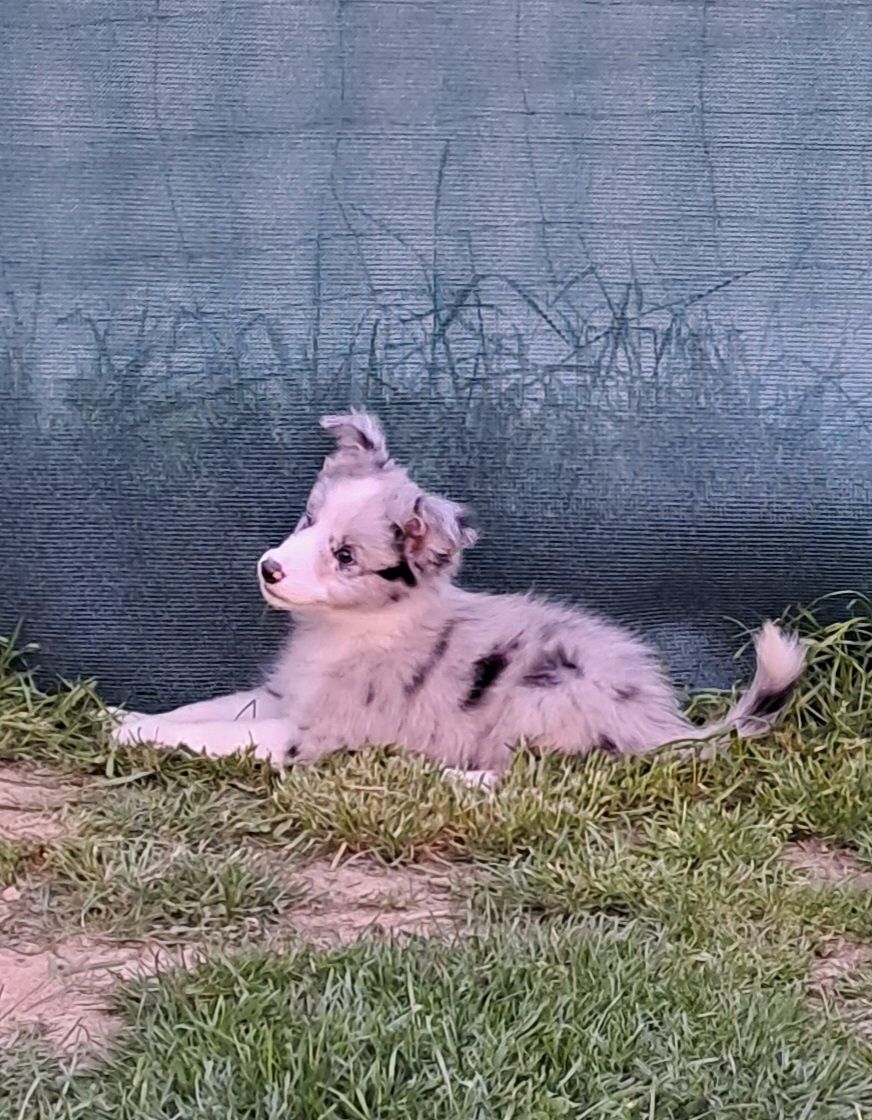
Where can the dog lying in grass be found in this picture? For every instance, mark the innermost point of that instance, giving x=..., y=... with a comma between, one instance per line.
x=386, y=649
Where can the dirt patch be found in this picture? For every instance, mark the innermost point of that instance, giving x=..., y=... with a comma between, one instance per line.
x=842, y=978
x=350, y=899
x=61, y=992
x=58, y=990
x=30, y=804
x=828, y=864
x=61, y=989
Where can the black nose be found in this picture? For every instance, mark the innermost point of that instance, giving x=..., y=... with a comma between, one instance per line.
x=271, y=570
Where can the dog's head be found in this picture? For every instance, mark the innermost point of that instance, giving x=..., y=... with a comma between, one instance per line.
x=369, y=535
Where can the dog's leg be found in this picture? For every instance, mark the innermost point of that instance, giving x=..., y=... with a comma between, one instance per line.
x=250, y=704
x=272, y=739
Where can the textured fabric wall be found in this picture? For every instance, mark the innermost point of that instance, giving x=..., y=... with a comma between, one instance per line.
x=603, y=268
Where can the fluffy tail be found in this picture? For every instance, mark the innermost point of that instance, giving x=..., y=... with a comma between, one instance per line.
x=780, y=662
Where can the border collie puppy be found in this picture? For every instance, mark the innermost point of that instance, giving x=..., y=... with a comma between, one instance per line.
x=387, y=649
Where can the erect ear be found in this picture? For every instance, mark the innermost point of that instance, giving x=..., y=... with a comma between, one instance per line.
x=358, y=433
x=437, y=530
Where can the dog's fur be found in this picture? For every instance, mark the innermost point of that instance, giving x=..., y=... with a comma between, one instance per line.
x=388, y=650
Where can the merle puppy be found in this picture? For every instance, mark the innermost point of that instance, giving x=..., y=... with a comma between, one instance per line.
x=386, y=648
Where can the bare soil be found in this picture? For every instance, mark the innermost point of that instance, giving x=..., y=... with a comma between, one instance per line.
x=60, y=989
x=30, y=804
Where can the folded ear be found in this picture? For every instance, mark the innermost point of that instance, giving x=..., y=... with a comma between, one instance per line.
x=358, y=433
x=437, y=531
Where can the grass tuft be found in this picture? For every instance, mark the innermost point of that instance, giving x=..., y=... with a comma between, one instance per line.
x=136, y=886
x=16, y=858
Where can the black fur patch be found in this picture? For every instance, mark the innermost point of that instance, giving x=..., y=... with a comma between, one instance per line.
x=549, y=669
x=485, y=673
x=400, y=571
x=771, y=703
x=292, y=751
x=436, y=654
x=607, y=746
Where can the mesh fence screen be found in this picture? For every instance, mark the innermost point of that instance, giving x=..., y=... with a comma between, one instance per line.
x=603, y=270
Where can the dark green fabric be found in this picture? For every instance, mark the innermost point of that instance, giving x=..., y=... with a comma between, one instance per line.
x=603, y=269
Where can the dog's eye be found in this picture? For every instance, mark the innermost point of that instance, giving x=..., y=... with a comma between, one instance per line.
x=344, y=555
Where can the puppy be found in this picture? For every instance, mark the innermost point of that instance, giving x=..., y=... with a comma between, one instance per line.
x=386, y=649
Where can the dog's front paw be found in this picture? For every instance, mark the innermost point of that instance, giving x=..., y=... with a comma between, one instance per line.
x=301, y=750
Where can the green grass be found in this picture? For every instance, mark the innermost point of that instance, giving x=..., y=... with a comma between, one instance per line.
x=132, y=886
x=721, y=871
x=585, y=1019
x=15, y=858
x=634, y=943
